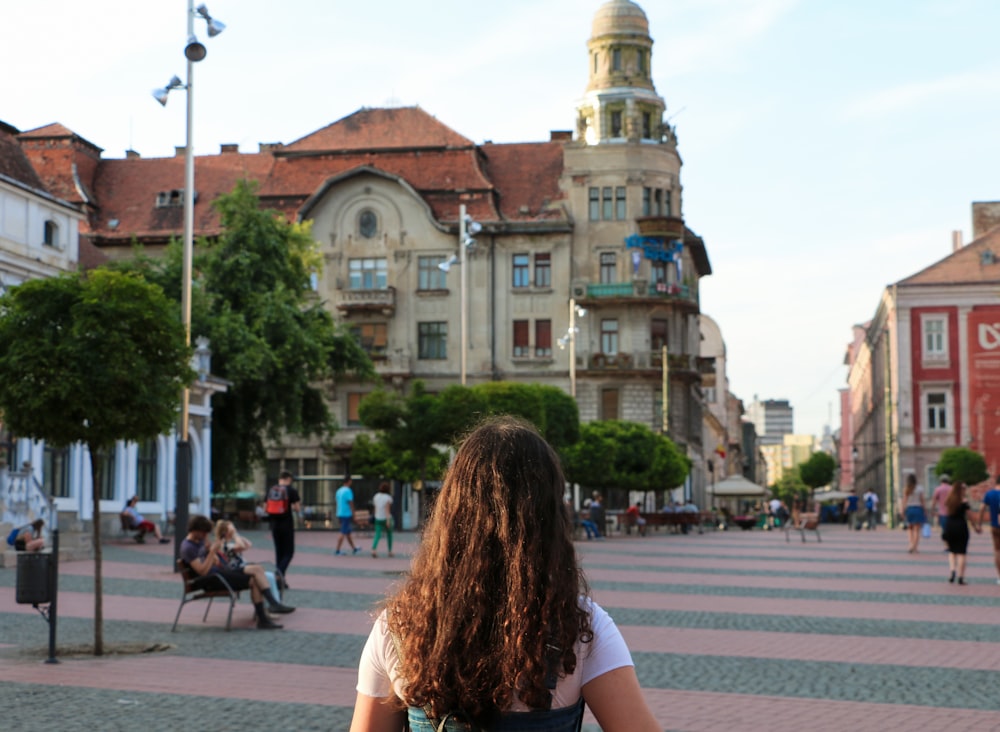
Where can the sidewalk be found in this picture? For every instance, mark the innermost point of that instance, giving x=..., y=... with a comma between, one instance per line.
x=729, y=631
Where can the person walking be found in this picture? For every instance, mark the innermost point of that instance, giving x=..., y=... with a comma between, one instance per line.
x=851, y=510
x=494, y=627
x=956, y=530
x=939, y=498
x=345, y=515
x=991, y=503
x=281, y=505
x=871, y=509
x=911, y=505
x=382, y=514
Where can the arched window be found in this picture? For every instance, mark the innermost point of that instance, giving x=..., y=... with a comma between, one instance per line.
x=368, y=224
x=51, y=234
x=146, y=471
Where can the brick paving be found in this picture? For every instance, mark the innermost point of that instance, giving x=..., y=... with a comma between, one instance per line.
x=729, y=631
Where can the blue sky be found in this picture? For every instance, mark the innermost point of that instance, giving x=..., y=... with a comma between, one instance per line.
x=829, y=147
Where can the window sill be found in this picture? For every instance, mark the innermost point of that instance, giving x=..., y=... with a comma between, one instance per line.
x=531, y=290
x=935, y=363
x=433, y=293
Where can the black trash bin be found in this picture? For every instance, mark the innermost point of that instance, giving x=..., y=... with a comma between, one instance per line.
x=33, y=585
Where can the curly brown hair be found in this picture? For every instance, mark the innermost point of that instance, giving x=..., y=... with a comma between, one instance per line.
x=494, y=583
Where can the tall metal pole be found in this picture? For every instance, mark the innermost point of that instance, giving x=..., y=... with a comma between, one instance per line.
x=463, y=280
x=572, y=347
x=183, y=462
x=665, y=396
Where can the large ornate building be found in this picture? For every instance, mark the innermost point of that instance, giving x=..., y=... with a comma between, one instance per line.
x=590, y=220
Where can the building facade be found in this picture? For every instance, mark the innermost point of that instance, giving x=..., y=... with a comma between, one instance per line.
x=926, y=374
x=592, y=218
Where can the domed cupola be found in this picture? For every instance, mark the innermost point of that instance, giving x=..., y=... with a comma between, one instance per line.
x=620, y=104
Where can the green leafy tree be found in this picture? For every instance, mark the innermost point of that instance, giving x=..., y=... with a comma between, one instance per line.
x=271, y=339
x=409, y=433
x=790, y=486
x=552, y=411
x=962, y=464
x=617, y=455
x=91, y=359
x=818, y=470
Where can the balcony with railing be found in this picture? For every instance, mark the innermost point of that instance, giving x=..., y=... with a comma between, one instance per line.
x=678, y=363
x=368, y=301
x=640, y=290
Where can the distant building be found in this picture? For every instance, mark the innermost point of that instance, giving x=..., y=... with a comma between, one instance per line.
x=927, y=372
x=773, y=419
x=592, y=216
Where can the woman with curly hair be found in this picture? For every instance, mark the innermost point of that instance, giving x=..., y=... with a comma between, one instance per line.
x=494, y=629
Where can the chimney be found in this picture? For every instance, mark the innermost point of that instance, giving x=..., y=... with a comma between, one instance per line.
x=560, y=136
x=956, y=240
x=229, y=148
x=271, y=146
x=179, y=151
x=985, y=216
x=132, y=155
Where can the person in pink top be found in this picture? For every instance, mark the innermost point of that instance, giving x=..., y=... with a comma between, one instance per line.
x=940, y=497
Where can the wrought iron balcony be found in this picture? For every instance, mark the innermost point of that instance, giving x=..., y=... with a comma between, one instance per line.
x=358, y=301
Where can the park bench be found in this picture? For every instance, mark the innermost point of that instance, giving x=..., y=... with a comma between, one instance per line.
x=807, y=522
x=363, y=520
x=208, y=588
x=129, y=530
x=672, y=520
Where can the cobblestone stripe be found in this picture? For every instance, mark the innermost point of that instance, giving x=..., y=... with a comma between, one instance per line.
x=818, y=647
x=966, y=596
x=766, y=605
x=936, y=687
x=925, y=572
x=163, y=611
x=781, y=623
x=693, y=711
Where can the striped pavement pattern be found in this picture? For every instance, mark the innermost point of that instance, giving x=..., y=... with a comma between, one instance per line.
x=728, y=630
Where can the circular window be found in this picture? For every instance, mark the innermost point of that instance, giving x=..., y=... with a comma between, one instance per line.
x=368, y=224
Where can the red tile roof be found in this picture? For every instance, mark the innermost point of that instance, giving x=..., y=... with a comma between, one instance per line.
x=966, y=266
x=381, y=129
x=14, y=163
x=526, y=176
x=496, y=182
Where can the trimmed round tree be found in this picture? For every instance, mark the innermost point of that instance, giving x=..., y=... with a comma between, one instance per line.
x=92, y=358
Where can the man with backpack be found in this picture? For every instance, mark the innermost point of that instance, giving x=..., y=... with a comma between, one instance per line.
x=871, y=509
x=280, y=504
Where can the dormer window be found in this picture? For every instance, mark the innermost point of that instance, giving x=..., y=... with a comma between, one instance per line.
x=51, y=234
x=171, y=198
x=368, y=224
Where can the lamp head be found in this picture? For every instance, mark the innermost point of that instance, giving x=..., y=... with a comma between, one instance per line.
x=445, y=266
x=215, y=27
x=195, y=50
x=473, y=227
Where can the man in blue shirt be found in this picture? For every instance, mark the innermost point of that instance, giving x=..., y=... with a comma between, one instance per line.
x=991, y=501
x=851, y=510
x=345, y=514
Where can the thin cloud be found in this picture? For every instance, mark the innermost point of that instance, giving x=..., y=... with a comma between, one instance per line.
x=903, y=97
x=726, y=27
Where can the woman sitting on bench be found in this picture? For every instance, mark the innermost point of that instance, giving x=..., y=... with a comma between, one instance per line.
x=136, y=522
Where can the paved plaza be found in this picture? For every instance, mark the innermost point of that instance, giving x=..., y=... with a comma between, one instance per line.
x=729, y=631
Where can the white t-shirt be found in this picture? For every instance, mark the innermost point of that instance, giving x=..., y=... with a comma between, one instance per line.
x=382, y=502
x=377, y=672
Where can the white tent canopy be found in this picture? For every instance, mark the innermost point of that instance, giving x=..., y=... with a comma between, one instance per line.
x=831, y=496
x=737, y=486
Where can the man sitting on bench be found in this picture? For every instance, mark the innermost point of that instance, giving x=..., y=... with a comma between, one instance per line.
x=206, y=560
x=136, y=522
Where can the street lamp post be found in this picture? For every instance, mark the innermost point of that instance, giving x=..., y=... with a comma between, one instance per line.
x=570, y=340
x=194, y=51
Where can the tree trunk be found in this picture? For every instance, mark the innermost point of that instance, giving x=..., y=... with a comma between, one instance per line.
x=95, y=476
